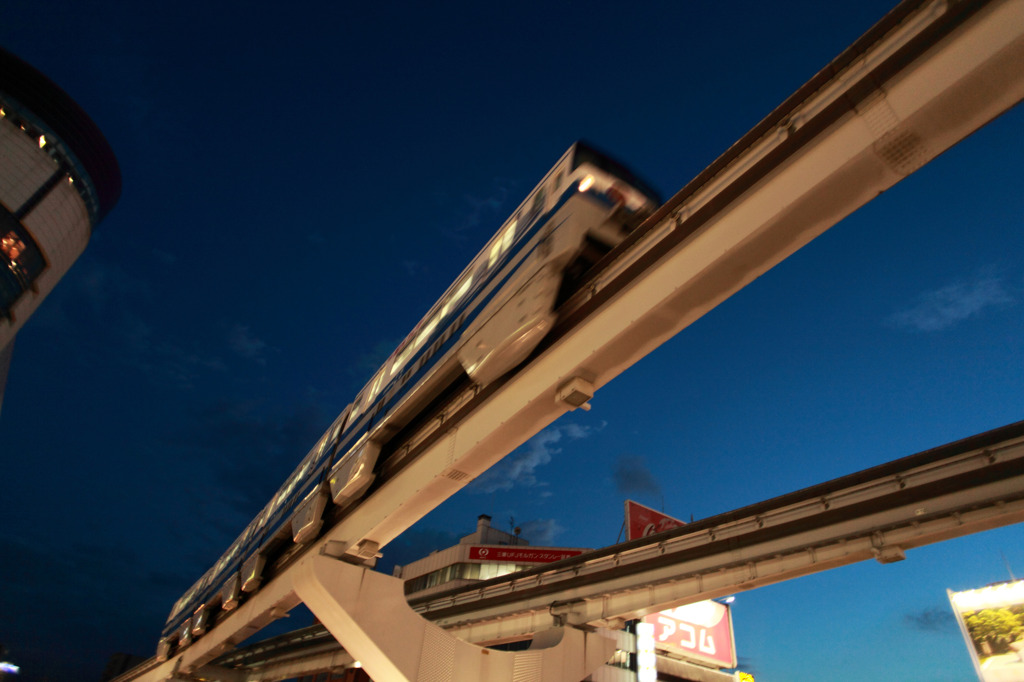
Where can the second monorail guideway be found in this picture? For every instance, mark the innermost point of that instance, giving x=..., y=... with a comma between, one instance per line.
x=880, y=513
x=925, y=77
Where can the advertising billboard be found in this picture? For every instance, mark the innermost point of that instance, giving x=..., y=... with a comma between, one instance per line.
x=992, y=622
x=642, y=521
x=521, y=555
x=701, y=631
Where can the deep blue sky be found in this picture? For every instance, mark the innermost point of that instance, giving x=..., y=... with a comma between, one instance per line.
x=302, y=180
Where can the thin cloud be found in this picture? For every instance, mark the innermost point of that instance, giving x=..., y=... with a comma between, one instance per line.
x=93, y=290
x=520, y=467
x=486, y=211
x=414, y=268
x=99, y=291
x=934, y=619
x=542, y=532
x=165, y=257
x=161, y=362
x=242, y=342
x=942, y=308
x=632, y=477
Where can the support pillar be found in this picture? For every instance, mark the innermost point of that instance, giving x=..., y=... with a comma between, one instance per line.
x=367, y=613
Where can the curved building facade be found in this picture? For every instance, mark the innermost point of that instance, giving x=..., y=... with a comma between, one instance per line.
x=58, y=179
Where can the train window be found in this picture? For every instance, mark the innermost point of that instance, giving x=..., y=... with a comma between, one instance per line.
x=357, y=406
x=509, y=236
x=502, y=244
x=495, y=252
x=401, y=355
x=425, y=334
x=321, y=444
x=538, y=200
x=463, y=288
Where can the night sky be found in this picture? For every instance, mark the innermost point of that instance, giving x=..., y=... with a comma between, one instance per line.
x=303, y=180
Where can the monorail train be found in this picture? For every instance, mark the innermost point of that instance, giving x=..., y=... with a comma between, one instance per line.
x=487, y=322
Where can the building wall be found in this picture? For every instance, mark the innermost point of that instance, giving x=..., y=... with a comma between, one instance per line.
x=459, y=565
x=58, y=179
x=58, y=223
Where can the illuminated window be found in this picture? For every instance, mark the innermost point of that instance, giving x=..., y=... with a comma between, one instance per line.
x=12, y=246
x=377, y=383
x=356, y=407
x=21, y=261
x=463, y=289
x=425, y=334
x=509, y=236
x=502, y=244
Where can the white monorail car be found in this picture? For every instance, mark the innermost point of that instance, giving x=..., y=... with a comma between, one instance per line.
x=487, y=322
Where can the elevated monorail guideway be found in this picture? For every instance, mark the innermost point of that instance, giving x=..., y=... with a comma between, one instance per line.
x=925, y=77
x=880, y=513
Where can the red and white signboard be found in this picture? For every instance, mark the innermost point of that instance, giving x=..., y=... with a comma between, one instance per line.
x=642, y=521
x=521, y=555
x=702, y=631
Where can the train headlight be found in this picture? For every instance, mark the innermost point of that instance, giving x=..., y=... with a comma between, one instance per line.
x=586, y=183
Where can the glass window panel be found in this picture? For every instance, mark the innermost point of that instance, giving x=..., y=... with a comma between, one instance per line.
x=10, y=290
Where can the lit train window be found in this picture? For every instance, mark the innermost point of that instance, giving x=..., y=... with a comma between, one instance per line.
x=461, y=292
x=377, y=382
x=502, y=244
x=396, y=366
x=335, y=432
x=509, y=236
x=356, y=407
x=495, y=252
x=425, y=334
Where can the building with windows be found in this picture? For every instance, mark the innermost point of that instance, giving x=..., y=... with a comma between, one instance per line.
x=58, y=179
x=486, y=553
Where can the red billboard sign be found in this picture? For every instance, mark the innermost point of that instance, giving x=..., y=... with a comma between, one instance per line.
x=642, y=521
x=521, y=555
x=702, y=631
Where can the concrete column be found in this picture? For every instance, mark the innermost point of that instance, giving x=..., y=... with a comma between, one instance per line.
x=367, y=613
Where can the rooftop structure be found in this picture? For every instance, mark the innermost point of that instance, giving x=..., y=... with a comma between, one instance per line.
x=486, y=553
